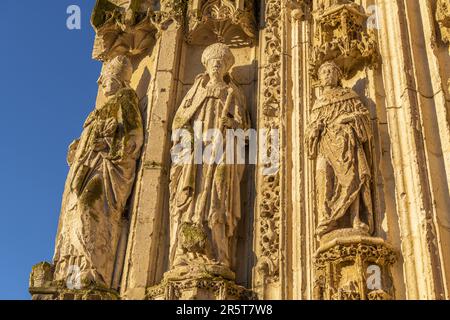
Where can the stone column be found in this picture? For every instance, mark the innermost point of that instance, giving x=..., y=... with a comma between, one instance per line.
x=302, y=176
x=269, y=210
x=418, y=128
x=146, y=255
x=352, y=260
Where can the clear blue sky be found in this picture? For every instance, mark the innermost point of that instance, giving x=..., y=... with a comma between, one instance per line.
x=47, y=88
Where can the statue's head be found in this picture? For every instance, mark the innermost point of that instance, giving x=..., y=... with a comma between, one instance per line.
x=116, y=74
x=218, y=59
x=330, y=74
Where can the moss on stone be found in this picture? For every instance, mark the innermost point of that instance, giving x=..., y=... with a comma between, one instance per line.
x=193, y=237
x=92, y=192
x=179, y=7
x=100, y=12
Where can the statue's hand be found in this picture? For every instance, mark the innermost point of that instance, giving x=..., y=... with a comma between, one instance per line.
x=110, y=127
x=227, y=122
x=100, y=145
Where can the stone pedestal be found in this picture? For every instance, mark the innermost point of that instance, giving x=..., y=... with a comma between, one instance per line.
x=199, y=289
x=57, y=293
x=199, y=281
x=353, y=267
x=42, y=287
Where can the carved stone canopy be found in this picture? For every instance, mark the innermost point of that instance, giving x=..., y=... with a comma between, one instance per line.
x=122, y=28
x=227, y=21
x=342, y=36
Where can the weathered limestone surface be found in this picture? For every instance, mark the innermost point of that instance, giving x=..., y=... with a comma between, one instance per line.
x=350, y=198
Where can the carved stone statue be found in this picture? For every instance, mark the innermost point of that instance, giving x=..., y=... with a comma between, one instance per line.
x=339, y=138
x=205, y=198
x=101, y=176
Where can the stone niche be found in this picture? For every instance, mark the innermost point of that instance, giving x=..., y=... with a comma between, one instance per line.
x=234, y=24
x=244, y=73
x=351, y=263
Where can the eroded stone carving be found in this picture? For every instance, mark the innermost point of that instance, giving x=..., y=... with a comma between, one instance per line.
x=123, y=28
x=231, y=22
x=411, y=135
x=41, y=275
x=268, y=210
x=99, y=183
x=443, y=19
x=342, y=36
x=354, y=268
x=204, y=195
x=339, y=138
x=299, y=8
x=170, y=11
x=199, y=289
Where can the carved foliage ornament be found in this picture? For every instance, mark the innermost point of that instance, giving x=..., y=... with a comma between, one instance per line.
x=217, y=289
x=173, y=10
x=269, y=189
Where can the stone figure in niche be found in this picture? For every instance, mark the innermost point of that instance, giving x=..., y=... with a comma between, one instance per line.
x=102, y=172
x=339, y=137
x=205, y=197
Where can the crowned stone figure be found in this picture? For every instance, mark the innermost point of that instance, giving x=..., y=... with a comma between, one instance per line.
x=339, y=137
x=102, y=172
x=205, y=204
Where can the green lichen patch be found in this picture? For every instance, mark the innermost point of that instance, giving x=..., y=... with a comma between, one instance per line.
x=193, y=238
x=92, y=193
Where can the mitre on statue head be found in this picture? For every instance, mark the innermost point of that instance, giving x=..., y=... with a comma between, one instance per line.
x=119, y=68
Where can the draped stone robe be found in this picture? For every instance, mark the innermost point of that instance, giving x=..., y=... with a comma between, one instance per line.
x=207, y=195
x=98, y=186
x=343, y=153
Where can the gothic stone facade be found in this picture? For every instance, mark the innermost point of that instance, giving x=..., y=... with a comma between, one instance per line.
x=349, y=199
